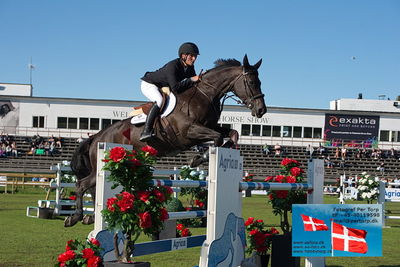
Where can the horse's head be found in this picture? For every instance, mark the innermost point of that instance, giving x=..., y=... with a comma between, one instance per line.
x=248, y=88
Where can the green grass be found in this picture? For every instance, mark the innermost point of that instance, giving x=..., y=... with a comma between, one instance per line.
x=26, y=241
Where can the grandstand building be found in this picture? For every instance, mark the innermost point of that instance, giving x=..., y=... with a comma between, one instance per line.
x=347, y=122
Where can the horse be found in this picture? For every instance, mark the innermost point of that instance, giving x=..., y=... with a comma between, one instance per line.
x=193, y=121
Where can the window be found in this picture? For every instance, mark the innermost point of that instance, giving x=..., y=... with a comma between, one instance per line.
x=297, y=131
x=287, y=131
x=245, y=129
x=62, y=122
x=266, y=130
x=38, y=121
x=255, y=130
x=276, y=131
x=398, y=137
x=94, y=124
x=226, y=126
x=308, y=132
x=317, y=133
x=393, y=136
x=114, y=121
x=83, y=123
x=105, y=123
x=72, y=123
x=384, y=135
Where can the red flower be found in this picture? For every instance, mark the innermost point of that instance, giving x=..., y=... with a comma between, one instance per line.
x=281, y=194
x=159, y=195
x=94, y=261
x=287, y=161
x=135, y=162
x=144, y=196
x=280, y=178
x=164, y=214
x=72, y=197
x=253, y=232
x=169, y=190
x=274, y=231
x=94, y=241
x=110, y=203
x=260, y=221
x=271, y=197
x=66, y=256
x=87, y=253
x=180, y=227
x=185, y=232
x=126, y=203
x=145, y=219
x=249, y=221
x=269, y=178
x=199, y=203
x=117, y=154
x=152, y=151
x=290, y=179
x=69, y=245
x=296, y=171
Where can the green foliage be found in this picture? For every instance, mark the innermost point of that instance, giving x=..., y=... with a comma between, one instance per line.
x=175, y=205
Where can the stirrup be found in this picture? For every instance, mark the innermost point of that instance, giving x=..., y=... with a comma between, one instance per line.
x=146, y=136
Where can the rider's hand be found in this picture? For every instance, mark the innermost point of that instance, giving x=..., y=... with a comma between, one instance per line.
x=195, y=78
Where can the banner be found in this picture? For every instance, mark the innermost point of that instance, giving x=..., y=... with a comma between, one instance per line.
x=351, y=127
x=337, y=230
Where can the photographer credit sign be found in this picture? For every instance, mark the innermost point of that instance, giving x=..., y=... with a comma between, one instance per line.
x=351, y=127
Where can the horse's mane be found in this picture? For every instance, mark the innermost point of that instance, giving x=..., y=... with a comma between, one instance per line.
x=230, y=62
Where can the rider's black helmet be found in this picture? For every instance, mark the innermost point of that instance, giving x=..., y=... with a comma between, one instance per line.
x=188, y=48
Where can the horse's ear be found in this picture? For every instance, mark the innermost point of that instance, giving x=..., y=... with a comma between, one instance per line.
x=246, y=61
x=257, y=65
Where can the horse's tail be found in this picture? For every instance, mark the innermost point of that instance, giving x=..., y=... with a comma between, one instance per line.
x=80, y=162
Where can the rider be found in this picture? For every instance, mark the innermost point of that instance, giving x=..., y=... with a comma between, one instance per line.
x=178, y=75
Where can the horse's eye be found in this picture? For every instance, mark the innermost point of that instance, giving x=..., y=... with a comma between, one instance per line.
x=250, y=105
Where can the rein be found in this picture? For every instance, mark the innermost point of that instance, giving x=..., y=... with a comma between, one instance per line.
x=248, y=101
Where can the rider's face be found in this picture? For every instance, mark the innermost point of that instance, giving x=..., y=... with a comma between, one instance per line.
x=189, y=59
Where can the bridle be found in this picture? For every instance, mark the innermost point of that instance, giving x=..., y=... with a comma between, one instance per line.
x=248, y=101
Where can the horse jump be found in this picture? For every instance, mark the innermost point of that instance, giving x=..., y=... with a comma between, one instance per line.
x=224, y=221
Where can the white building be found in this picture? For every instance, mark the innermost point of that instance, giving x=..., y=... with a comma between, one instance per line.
x=348, y=121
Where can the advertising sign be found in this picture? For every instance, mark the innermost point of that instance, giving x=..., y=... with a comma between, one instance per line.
x=337, y=230
x=392, y=194
x=351, y=127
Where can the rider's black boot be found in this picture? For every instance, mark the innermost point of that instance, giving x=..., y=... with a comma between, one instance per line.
x=148, y=128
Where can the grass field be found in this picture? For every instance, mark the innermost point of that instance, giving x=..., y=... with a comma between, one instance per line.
x=26, y=241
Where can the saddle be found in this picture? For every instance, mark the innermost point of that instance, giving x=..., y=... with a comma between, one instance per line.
x=139, y=113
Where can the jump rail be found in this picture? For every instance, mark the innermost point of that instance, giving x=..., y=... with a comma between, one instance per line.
x=224, y=214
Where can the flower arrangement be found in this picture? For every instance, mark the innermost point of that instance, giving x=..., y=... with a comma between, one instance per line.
x=282, y=200
x=197, y=196
x=259, y=237
x=248, y=177
x=79, y=253
x=182, y=231
x=368, y=187
x=139, y=207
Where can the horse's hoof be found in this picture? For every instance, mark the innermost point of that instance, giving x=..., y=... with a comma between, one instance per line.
x=69, y=221
x=196, y=161
x=88, y=219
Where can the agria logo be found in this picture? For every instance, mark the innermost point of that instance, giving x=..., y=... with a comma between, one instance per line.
x=335, y=121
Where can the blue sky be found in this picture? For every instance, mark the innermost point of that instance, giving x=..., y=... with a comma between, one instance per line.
x=100, y=49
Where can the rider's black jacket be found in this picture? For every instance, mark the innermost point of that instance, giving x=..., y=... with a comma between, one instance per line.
x=173, y=74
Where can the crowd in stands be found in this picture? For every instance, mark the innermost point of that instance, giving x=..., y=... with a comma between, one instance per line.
x=44, y=146
x=8, y=147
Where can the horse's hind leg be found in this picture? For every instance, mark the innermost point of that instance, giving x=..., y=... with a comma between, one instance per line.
x=89, y=218
x=81, y=187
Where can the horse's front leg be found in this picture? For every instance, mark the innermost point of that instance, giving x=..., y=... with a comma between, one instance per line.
x=232, y=134
x=199, y=132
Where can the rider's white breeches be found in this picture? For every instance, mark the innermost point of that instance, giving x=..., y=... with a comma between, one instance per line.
x=151, y=92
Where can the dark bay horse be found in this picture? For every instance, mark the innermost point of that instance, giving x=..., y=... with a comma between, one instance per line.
x=193, y=122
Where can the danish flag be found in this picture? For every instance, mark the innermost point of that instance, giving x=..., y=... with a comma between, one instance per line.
x=312, y=224
x=348, y=239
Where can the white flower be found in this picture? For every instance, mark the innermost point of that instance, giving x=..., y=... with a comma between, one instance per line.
x=193, y=173
x=364, y=195
x=363, y=173
x=368, y=195
x=367, y=176
x=370, y=181
x=377, y=179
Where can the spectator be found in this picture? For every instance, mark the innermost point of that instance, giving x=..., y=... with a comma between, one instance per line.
x=392, y=153
x=265, y=149
x=58, y=142
x=337, y=153
x=80, y=139
x=278, y=150
x=344, y=152
x=381, y=167
x=309, y=151
x=328, y=163
x=14, y=150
